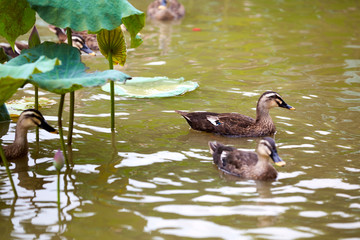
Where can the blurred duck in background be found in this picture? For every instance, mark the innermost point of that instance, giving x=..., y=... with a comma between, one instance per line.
x=165, y=10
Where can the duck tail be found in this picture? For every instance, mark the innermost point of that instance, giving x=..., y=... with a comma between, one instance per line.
x=180, y=112
x=213, y=146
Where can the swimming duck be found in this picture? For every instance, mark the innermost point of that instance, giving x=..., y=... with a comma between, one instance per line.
x=165, y=10
x=248, y=165
x=237, y=124
x=81, y=37
x=77, y=41
x=27, y=119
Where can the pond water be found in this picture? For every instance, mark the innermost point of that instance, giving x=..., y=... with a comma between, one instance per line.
x=154, y=179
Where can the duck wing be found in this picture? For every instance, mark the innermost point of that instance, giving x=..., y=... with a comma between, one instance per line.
x=233, y=161
x=222, y=123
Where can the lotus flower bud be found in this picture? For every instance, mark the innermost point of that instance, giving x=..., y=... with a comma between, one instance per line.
x=59, y=160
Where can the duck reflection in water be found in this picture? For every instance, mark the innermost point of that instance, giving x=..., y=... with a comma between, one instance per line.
x=164, y=14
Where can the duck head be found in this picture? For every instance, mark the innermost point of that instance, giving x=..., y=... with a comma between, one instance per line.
x=32, y=118
x=272, y=99
x=267, y=148
x=79, y=43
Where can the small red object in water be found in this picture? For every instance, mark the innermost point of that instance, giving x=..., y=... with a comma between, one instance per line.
x=196, y=29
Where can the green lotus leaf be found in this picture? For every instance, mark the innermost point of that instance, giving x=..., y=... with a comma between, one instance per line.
x=12, y=77
x=91, y=15
x=16, y=19
x=137, y=41
x=71, y=75
x=153, y=87
x=113, y=41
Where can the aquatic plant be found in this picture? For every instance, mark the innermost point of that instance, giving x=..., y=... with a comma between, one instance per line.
x=95, y=16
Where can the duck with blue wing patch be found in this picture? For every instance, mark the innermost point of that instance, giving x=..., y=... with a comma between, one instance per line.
x=236, y=124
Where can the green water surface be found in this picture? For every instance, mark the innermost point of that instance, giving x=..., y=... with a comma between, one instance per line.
x=154, y=179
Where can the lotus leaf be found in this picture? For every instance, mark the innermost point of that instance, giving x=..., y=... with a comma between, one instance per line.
x=71, y=75
x=113, y=41
x=16, y=19
x=91, y=15
x=16, y=106
x=153, y=87
x=12, y=77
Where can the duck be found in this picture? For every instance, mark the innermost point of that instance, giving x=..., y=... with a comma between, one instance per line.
x=165, y=10
x=83, y=37
x=28, y=118
x=245, y=164
x=235, y=124
x=77, y=42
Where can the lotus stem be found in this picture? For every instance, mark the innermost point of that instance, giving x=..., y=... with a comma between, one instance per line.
x=69, y=36
x=72, y=97
x=112, y=94
x=37, y=108
x=71, y=118
x=58, y=187
x=36, y=98
x=2, y=154
x=61, y=106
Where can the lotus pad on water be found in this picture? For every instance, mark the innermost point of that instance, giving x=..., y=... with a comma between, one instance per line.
x=153, y=87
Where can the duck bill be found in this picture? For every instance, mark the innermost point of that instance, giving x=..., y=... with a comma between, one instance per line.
x=277, y=160
x=44, y=125
x=285, y=105
x=87, y=50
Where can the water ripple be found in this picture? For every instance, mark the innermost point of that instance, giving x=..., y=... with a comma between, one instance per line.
x=193, y=228
x=352, y=225
x=327, y=183
x=211, y=199
x=245, y=210
x=132, y=159
x=142, y=198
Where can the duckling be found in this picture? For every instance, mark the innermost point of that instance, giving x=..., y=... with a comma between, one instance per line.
x=165, y=10
x=248, y=165
x=236, y=124
x=27, y=119
x=82, y=38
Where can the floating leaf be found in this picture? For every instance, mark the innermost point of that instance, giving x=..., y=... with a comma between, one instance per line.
x=12, y=77
x=91, y=15
x=71, y=75
x=16, y=106
x=34, y=38
x=153, y=87
x=113, y=42
x=16, y=19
